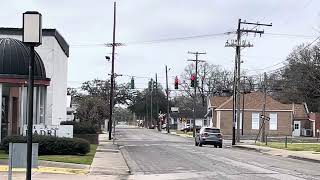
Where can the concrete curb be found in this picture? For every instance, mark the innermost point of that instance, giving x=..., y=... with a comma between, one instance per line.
x=176, y=135
x=246, y=148
x=303, y=158
x=125, y=157
x=56, y=164
x=282, y=155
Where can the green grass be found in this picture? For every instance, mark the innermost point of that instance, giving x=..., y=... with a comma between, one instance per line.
x=3, y=155
x=76, y=159
x=294, y=147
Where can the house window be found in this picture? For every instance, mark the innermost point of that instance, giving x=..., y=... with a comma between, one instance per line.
x=240, y=121
x=273, y=121
x=296, y=126
x=255, y=120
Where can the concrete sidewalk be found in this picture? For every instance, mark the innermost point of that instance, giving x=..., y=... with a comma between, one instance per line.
x=302, y=155
x=108, y=159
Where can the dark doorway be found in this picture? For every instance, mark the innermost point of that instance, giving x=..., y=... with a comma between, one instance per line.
x=4, y=117
x=14, y=116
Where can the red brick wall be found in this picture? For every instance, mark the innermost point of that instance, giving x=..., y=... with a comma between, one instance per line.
x=284, y=125
x=316, y=117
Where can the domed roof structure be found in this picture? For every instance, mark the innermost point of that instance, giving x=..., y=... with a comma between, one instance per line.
x=14, y=60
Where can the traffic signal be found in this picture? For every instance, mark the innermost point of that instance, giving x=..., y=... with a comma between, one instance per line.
x=155, y=85
x=132, y=83
x=176, y=83
x=193, y=79
x=150, y=86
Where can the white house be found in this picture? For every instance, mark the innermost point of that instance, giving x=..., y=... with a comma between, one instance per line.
x=51, y=65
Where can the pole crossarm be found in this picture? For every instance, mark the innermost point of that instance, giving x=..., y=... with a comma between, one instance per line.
x=257, y=23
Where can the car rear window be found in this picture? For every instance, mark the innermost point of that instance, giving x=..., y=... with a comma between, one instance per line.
x=209, y=130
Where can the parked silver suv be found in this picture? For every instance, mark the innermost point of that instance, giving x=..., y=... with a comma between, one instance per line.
x=209, y=135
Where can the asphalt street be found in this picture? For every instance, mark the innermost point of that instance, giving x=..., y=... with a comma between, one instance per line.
x=154, y=155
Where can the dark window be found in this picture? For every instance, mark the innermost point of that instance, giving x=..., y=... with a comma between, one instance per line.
x=210, y=130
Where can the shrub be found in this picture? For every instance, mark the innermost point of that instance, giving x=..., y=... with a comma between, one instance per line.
x=85, y=128
x=50, y=145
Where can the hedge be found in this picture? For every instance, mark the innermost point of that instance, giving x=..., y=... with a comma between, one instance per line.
x=91, y=138
x=50, y=145
x=83, y=127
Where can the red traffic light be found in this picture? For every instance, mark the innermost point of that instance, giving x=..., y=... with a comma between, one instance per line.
x=193, y=77
x=176, y=83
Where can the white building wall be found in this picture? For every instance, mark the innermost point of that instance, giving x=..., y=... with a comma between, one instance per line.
x=56, y=65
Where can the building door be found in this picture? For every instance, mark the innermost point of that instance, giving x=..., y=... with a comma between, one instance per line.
x=296, y=128
x=4, y=117
x=14, y=120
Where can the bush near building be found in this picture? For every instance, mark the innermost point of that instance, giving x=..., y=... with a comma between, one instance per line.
x=50, y=145
x=84, y=130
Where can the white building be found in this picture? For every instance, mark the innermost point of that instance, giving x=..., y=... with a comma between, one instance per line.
x=50, y=91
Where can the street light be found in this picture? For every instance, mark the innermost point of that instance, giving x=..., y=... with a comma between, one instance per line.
x=32, y=36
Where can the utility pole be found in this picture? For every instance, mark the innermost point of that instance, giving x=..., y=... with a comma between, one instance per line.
x=151, y=103
x=146, y=121
x=243, y=94
x=157, y=104
x=236, y=89
x=168, y=110
x=113, y=45
x=195, y=87
x=263, y=126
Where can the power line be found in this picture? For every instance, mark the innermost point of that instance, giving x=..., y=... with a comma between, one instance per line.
x=283, y=61
x=183, y=38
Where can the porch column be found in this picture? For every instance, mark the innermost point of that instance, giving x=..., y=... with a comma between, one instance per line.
x=0, y=110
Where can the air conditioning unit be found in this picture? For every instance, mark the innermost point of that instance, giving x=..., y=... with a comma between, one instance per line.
x=307, y=132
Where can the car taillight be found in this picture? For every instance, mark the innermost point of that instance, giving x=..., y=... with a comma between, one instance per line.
x=220, y=136
x=204, y=135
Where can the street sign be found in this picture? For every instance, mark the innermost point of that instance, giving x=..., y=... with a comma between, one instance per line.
x=174, y=109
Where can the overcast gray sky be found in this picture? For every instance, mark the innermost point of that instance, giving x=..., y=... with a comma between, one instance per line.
x=87, y=24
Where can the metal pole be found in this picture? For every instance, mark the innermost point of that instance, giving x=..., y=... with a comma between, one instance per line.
x=151, y=104
x=30, y=113
x=238, y=80
x=168, y=111
x=195, y=98
x=112, y=70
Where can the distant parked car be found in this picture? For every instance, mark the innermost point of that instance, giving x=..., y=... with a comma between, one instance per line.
x=190, y=128
x=210, y=136
x=186, y=128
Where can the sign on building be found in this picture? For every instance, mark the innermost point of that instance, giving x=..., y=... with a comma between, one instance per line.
x=174, y=109
x=51, y=130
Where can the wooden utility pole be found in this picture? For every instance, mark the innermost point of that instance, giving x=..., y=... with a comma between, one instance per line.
x=151, y=103
x=263, y=126
x=195, y=87
x=168, y=108
x=157, y=104
x=236, y=85
x=112, y=69
x=113, y=45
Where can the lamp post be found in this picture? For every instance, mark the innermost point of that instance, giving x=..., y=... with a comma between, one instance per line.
x=32, y=36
